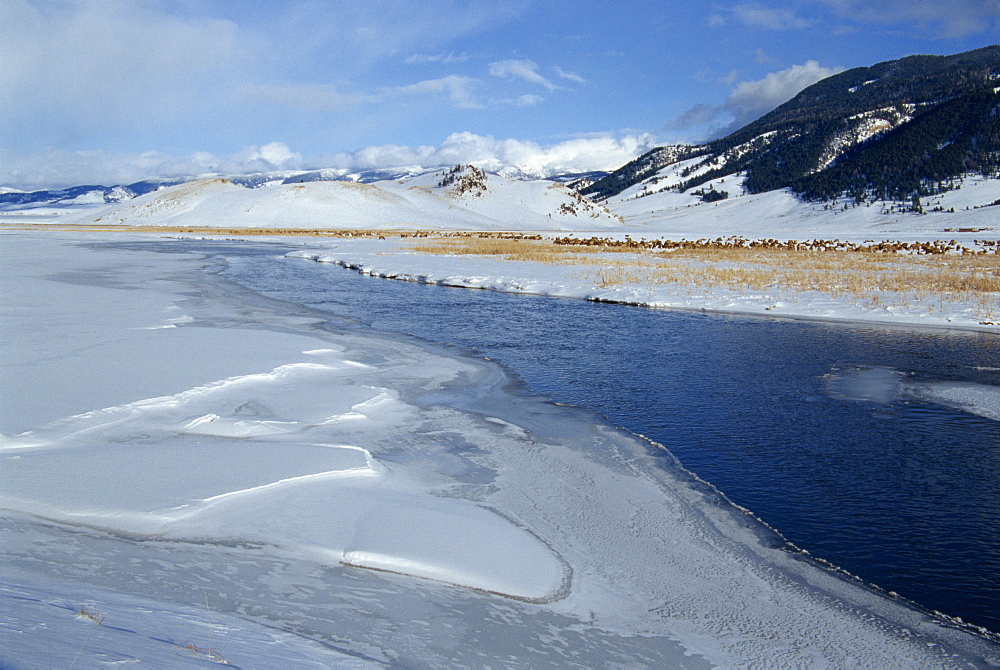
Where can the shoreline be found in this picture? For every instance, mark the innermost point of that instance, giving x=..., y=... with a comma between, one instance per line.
x=847, y=321
x=454, y=271
x=406, y=266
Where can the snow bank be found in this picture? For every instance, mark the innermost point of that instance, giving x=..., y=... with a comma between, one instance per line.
x=393, y=259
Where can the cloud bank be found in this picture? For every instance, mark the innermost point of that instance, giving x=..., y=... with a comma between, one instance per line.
x=56, y=169
x=582, y=154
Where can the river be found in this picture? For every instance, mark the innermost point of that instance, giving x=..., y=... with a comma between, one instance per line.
x=836, y=435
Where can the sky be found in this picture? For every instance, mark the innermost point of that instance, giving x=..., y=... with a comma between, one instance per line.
x=113, y=91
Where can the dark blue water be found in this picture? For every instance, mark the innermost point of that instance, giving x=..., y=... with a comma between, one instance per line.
x=819, y=429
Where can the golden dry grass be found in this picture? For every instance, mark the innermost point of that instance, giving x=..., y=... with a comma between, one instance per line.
x=513, y=247
x=873, y=279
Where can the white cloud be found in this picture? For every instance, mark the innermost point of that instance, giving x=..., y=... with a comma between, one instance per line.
x=449, y=58
x=943, y=18
x=122, y=73
x=279, y=155
x=572, y=76
x=522, y=69
x=575, y=155
x=701, y=115
x=728, y=78
x=528, y=100
x=72, y=68
x=761, y=57
x=758, y=16
x=772, y=19
x=326, y=98
x=458, y=88
x=751, y=99
x=54, y=168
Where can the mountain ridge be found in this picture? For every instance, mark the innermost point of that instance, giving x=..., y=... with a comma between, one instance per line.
x=837, y=122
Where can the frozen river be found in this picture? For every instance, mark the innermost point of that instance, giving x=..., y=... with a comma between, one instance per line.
x=203, y=467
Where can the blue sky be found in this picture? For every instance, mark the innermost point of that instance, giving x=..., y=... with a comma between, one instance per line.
x=110, y=91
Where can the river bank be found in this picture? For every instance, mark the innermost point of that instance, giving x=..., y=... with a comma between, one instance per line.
x=122, y=427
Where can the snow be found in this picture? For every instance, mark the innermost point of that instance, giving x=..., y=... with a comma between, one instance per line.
x=650, y=210
x=88, y=627
x=885, y=386
x=95, y=197
x=212, y=475
x=47, y=463
x=974, y=398
x=343, y=498
x=417, y=202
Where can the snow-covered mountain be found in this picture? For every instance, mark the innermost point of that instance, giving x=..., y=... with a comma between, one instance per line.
x=899, y=129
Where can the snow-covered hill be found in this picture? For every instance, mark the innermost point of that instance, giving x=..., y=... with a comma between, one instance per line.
x=463, y=198
x=468, y=198
x=885, y=132
x=656, y=208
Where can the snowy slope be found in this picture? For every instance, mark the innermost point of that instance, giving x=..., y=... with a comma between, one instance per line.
x=651, y=208
x=654, y=208
x=419, y=202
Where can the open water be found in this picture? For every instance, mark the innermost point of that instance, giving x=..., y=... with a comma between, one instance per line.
x=830, y=433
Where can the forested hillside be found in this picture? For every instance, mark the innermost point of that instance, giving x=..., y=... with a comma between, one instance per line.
x=893, y=131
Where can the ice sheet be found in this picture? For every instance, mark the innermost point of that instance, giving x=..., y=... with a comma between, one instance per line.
x=980, y=399
x=885, y=386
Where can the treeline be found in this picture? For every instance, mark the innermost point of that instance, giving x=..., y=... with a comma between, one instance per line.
x=640, y=169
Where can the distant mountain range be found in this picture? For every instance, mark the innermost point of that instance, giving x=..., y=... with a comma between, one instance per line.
x=97, y=194
x=897, y=130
